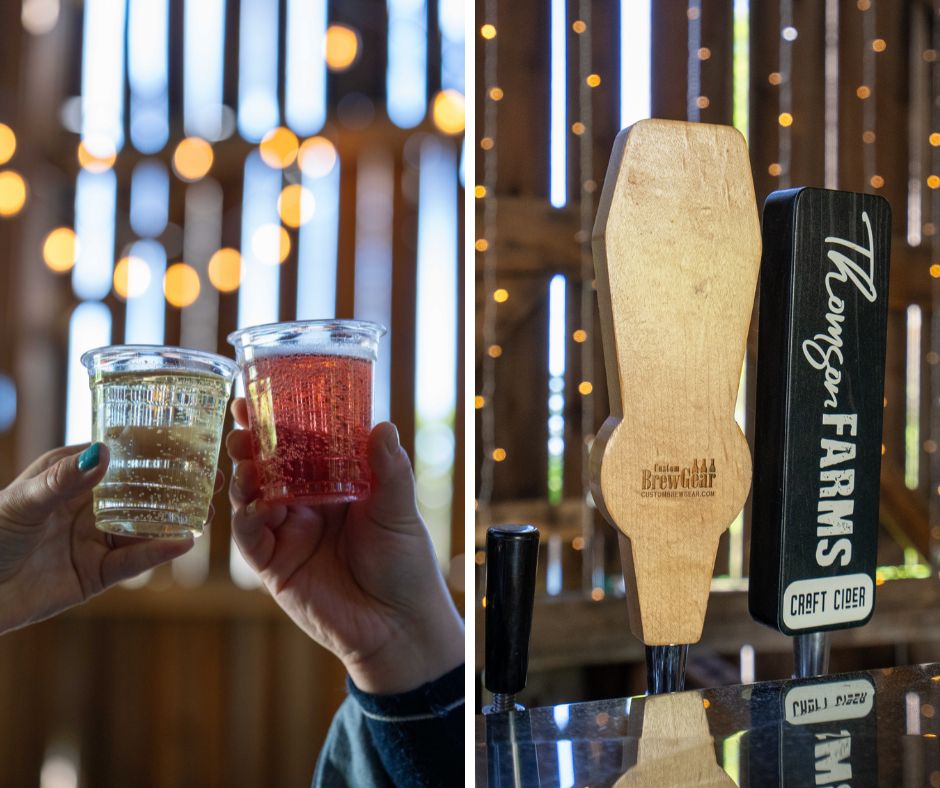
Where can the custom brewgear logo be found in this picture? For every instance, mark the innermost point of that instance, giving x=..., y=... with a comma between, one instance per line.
x=671, y=480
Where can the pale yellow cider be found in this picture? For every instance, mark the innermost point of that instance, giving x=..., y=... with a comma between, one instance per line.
x=163, y=431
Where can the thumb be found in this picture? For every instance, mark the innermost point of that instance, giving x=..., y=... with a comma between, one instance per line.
x=392, y=501
x=31, y=501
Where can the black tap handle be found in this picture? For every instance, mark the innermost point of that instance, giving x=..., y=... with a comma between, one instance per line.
x=820, y=383
x=511, y=557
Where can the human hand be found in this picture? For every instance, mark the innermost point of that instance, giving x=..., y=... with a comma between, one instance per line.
x=51, y=555
x=361, y=579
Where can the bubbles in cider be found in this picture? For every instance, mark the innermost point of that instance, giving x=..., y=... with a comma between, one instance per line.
x=310, y=421
x=163, y=432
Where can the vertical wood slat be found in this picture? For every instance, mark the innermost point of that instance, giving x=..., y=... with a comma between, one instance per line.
x=764, y=99
x=717, y=78
x=525, y=109
x=808, y=132
x=851, y=146
x=670, y=25
x=891, y=96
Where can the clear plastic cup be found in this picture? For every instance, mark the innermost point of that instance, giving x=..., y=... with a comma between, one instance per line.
x=160, y=412
x=309, y=391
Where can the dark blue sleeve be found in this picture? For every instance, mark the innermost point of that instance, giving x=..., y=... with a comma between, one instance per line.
x=419, y=735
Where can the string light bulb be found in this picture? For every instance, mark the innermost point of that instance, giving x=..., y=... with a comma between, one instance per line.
x=488, y=31
x=501, y=295
x=60, y=249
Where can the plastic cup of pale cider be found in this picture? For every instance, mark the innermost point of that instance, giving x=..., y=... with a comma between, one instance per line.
x=160, y=412
x=308, y=385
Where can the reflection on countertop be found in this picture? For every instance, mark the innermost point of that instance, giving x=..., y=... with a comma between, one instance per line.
x=869, y=728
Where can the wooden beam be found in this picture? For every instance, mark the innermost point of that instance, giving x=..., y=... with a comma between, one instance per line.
x=571, y=630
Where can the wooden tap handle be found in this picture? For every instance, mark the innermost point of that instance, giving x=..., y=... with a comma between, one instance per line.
x=676, y=251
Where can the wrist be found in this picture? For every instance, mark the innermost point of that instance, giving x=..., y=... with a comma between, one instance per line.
x=418, y=651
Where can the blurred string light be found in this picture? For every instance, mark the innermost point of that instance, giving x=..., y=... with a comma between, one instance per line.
x=270, y=244
x=305, y=68
x=257, y=69
x=635, y=61
x=341, y=47
x=203, y=67
x=39, y=16
x=406, y=75
x=147, y=73
x=95, y=203
x=98, y=159
x=258, y=300
x=192, y=159
x=131, y=277
x=296, y=205
x=12, y=193
x=558, y=112
x=150, y=198
x=448, y=111
x=89, y=327
x=7, y=143
x=181, y=285
x=486, y=229
x=317, y=157
x=225, y=270
x=318, y=239
x=60, y=249
x=103, y=76
x=278, y=148
x=145, y=309
x=436, y=338
x=375, y=196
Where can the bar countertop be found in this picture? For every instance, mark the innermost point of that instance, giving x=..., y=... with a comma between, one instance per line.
x=868, y=728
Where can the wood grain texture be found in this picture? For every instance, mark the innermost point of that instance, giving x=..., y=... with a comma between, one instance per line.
x=676, y=250
x=676, y=745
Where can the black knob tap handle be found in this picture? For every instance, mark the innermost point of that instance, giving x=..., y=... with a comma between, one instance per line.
x=511, y=559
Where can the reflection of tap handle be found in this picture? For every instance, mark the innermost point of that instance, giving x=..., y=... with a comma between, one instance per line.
x=511, y=559
x=675, y=745
x=818, y=428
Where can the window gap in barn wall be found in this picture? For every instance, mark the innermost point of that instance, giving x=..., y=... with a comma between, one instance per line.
x=404, y=289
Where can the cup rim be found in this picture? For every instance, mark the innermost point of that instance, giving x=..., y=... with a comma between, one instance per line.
x=198, y=358
x=235, y=339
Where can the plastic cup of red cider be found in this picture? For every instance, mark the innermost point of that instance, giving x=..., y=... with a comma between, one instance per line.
x=308, y=386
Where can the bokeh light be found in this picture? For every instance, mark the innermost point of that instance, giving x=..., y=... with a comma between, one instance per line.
x=342, y=47
x=131, y=277
x=192, y=159
x=12, y=193
x=278, y=148
x=270, y=244
x=181, y=285
x=317, y=157
x=60, y=249
x=96, y=157
x=225, y=270
x=448, y=111
x=295, y=205
x=39, y=16
x=7, y=143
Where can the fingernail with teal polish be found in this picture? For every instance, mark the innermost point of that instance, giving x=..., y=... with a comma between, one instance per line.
x=88, y=459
